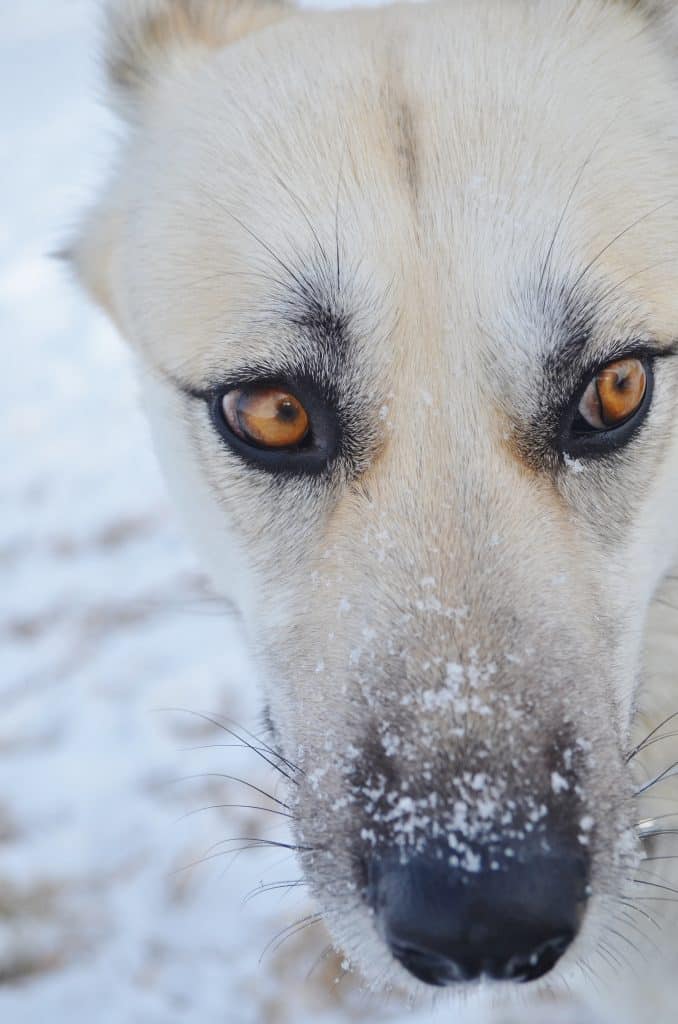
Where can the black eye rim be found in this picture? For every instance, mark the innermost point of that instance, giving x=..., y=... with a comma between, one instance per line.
x=592, y=443
x=317, y=452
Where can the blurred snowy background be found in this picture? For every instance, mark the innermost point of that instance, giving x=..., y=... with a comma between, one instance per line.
x=105, y=915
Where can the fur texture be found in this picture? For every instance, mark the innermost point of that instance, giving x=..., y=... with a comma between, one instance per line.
x=443, y=217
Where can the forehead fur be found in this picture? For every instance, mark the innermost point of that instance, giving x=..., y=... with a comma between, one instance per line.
x=439, y=152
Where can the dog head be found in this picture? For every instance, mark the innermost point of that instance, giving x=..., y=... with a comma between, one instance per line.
x=402, y=284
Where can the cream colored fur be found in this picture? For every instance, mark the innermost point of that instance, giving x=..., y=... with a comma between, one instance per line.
x=451, y=157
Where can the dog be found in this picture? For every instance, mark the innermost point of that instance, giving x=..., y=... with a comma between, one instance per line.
x=402, y=285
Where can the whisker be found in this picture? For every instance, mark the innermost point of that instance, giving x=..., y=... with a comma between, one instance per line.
x=626, y=919
x=323, y=956
x=238, y=807
x=561, y=220
x=299, y=279
x=262, y=842
x=653, y=874
x=639, y=910
x=216, y=856
x=221, y=746
x=641, y=746
x=303, y=210
x=655, y=899
x=233, y=778
x=639, y=220
x=656, y=885
x=213, y=720
x=336, y=216
x=589, y=972
x=288, y=932
x=604, y=950
x=660, y=739
x=265, y=887
x=618, y=285
x=628, y=941
x=659, y=832
x=666, y=774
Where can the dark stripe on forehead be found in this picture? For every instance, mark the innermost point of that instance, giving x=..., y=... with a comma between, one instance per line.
x=406, y=145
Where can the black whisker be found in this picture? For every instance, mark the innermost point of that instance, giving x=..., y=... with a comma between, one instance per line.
x=261, y=842
x=639, y=220
x=641, y=746
x=626, y=919
x=303, y=284
x=628, y=941
x=336, y=217
x=655, y=885
x=561, y=220
x=245, y=740
x=639, y=910
x=234, y=807
x=289, y=931
x=666, y=774
x=265, y=887
x=659, y=739
x=217, y=856
x=304, y=213
x=607, y=954
x=234, y=778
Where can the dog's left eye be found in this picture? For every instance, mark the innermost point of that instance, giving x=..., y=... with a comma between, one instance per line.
x=610, y=408
x=614, y=394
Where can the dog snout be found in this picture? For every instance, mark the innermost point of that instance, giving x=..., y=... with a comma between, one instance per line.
x=507, y=922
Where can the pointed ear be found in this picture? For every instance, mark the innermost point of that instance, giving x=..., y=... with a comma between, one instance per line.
x=145, y=39
x=145, y=42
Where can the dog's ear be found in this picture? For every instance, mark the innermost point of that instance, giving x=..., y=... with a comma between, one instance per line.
x=145, y=43
x=147, y=39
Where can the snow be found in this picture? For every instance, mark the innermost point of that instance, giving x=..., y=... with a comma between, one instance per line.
x=106, y=624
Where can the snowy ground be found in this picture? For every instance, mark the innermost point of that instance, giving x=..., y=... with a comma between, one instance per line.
x=104, y=622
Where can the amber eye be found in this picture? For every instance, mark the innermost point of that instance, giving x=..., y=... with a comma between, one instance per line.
x=268, y=417
x=614, y=395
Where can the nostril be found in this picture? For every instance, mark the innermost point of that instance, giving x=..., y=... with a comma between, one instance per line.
x=428, y=967
x=524, y=968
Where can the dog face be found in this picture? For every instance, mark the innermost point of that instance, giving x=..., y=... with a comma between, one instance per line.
x=401, y=282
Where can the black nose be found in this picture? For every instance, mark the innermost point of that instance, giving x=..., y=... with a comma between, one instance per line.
x=445, y=925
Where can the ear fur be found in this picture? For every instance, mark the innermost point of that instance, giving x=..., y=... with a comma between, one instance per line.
x=146, y=38
x=144, y=42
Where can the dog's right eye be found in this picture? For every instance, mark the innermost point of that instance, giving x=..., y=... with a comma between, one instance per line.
x=267, y=417
x=286, y=428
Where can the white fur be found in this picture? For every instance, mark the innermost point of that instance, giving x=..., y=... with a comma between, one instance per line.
x=447, y=154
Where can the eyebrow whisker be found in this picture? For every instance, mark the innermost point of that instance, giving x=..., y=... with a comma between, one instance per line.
x=639, y=220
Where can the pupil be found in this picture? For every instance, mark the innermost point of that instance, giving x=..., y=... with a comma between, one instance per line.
x=287, y=412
